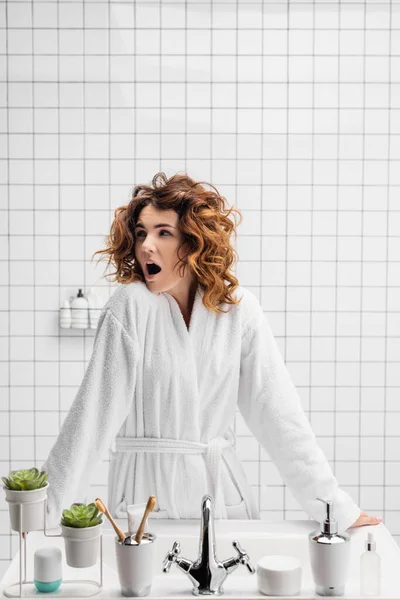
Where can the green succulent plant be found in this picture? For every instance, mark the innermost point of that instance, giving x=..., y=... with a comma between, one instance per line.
x=25, y=479
x=81, y=515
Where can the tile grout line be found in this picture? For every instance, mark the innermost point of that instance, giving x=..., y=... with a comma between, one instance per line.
x=388, y=207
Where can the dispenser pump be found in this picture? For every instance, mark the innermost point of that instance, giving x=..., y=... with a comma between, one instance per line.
x=79, y=294
x=329, y=526
x=370, y=544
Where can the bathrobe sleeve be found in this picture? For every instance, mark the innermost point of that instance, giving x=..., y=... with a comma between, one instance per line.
x=273, y=412
x=99, y=409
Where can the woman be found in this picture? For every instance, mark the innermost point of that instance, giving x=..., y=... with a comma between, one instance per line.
x=178, y=347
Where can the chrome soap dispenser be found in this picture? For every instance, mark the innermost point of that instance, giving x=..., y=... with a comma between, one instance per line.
x=329, y=556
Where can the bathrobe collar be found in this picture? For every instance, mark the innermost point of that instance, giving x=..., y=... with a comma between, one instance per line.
x=199, y=312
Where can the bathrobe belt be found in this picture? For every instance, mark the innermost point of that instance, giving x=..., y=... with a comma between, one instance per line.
x=212, y=449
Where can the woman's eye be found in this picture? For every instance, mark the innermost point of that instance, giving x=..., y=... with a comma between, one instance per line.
x=162, y=231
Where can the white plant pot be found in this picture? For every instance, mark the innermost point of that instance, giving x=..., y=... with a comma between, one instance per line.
x=81, y=545
x=26, y=508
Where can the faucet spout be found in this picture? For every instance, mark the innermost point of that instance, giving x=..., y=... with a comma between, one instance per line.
x=207, y=535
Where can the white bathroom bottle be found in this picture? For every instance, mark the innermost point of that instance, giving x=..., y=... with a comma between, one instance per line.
x=65, y=315
x=94, y=303
x=80, y=312
x=329, y=553
x=370, y=569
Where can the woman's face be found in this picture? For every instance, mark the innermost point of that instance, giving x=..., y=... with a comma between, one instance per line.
x=157, y=237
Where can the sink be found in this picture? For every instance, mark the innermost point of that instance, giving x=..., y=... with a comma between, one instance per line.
x=258, y=538
x=256, y=542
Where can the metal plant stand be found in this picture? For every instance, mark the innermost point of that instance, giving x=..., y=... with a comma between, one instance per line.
x=30, y=590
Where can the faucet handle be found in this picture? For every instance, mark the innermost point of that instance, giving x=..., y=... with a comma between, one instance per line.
x=171, y=557
x=243, y=558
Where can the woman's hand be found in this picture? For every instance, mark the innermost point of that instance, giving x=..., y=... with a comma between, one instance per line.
x=365, y=519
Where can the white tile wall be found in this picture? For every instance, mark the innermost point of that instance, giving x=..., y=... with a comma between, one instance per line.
x=292, y=109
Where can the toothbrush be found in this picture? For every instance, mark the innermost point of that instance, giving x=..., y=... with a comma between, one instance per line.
x=151, y=502
x=103, y=509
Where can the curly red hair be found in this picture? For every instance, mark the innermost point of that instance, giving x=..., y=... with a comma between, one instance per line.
x=204, y=224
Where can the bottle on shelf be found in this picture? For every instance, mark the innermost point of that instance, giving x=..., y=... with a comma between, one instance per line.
x=80, y=312
x=65, y=315
x=94, y=302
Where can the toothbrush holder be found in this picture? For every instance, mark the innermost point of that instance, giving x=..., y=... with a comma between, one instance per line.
x=135, y=563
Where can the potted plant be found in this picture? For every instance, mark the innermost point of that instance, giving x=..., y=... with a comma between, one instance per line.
x=80, y=525
x=26, y=490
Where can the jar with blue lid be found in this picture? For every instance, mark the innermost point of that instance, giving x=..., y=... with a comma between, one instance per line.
x=47, y=569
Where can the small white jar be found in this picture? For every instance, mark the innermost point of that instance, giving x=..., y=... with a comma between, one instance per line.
x=279, y=575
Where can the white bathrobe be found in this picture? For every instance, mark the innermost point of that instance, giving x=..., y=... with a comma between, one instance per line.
x=163, y=399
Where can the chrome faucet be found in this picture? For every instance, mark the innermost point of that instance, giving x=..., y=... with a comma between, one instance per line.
x=207, y=573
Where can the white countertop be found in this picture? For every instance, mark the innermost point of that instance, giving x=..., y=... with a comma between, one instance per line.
x=257, y=538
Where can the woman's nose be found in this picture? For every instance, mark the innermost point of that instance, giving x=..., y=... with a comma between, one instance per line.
x=147, y=244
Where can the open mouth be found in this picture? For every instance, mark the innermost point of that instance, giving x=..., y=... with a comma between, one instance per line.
x=152, y=268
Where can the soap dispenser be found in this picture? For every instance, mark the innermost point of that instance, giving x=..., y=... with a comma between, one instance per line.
x=80, y=312
x=329, y=555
